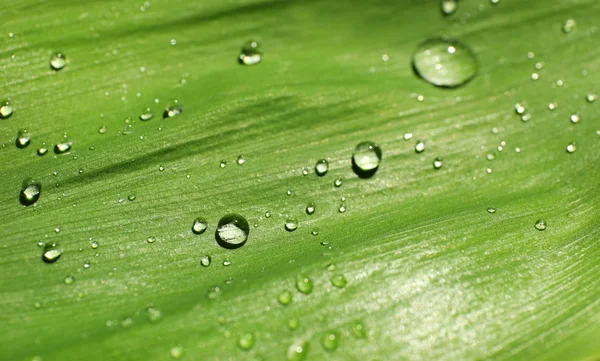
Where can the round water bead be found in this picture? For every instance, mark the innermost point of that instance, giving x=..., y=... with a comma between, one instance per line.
x=366, y=159
x=232, y=231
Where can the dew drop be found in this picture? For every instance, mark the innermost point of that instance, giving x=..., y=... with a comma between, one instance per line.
x=575, y=118
x=520, y=109
x=58, y=61
x=246, y=341
x=293, y=323
x=445, y=62
x=153, y=314
x=304, y=171
x=30, y=192
x=526, y=117
x=151, y=239
x=161, y=168
x=569, y=26
x=173, y=108
x=241, y=160
x=491, y=210
x=342, y=208
x=591, y=97
x=251, y=53
x=321, y=167
x=437, y=163
x=315, y=232
x=199, y=226
x=291, y=224
x=449, y=7
x=223, y=164
x=226, y=263
x=304, y=284
x=23, y=139
x=176, y=352
x=540, y=225
x=419, y=147
x=552, y=106
x=69, y=280
x=51, y=253
x=6, y=109
x=41, y=151
x=572, y=147
x=102, y=129
x=310, y=208
x=358, y=330
x=338, y=182
x=366, y=159
x=61, y=148
x=285, y=298
x=339, y=281
x=146, y=114
x=267, y=214
x=407, y=136
x=232, y=231
x=490, y=156
x=330, y=341
x=94, y=245
x=205, y=261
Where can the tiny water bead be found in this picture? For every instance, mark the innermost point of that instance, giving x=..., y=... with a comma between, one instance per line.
x=338, y=182
x=174, y=108
x=297, y=351
x=151, y=239
x=569, y=26
x=94, y=245
x=147, y=114
x=161, y=168
x=23, y=139
x=51, y=253
x=437, y=163
x=61, y=148
x=291, y=224
x=310, y=208
x=342, y=208
x=6, y=109
x=223, y=164
x=304, y=284
x=176, y=352
x=358, y=330
x=490, y=156
x=30, y=192
x=575, y=118
x=205, y=261
x=540, y=225
x=572, y=147
x=43, y=150
x=226, y=263
x=445, y=62
x=267, y=214
x=449, y=7
x=419, y=147
x=339, y=281
x=330, y=341
x=321, y=167
x=526, y=117
x=591, y=97
x=246, y=341
x=285, y=298
x=69, y=280
x=293, y=323
x=552, y=106
x=232, y=231
x=491, y=210
x=58, y=61
x=251, y=53
x=520, y=109
x=241, y=160
x=199, y=226
x=153, y=314
x=366, y=158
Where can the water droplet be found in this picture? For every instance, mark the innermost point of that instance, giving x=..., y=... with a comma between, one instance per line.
x=173, y=42
x=304, y=284
x=575, y=118
x=61, y=148
x=23, y=139
x=526, y=117
x=214, y=292
x=40, y=244
x=86, y=265
x=267, y=214
x=51, y=253
x=569, y=26
x=419, y=147
x=151, y=239
x=161, y=168
x=57, y=229
x=153, y=314
x=293, y=323
x=41, y=151
x=560, y=83
x=445, y=62
x=146, y=114
x=173, y=108
x=540, y=225
x=407, y=136
x=226, y=263
x=241, y=160
x=176, y=352
x=330, y=341
x=246, y=342
x=321, y=167
x=490, y=156
x=102, y=129
x=491, y=210
x=310, y=208
x=366, y=159
x=535, y=76
x=6, y=109
x=205, y=261
x=437, y=163
x=494, y=2
x=591, y=97
x=358, y=330
x=69, y=280
x=94, y=245
x=199, y=226
x=339, y=281
x=251, y=53
x=297, y=351
x=338, y=182
x=539, y=65
x=315, y=232
x=304, y=171
x=285, y=298
x=449, y=7
x=232, y=231
x=223, y=164
x=520, y=108
x=291, y=224
x=572, y=147
x=30, y=192
x=342, y=208
x=58, y=61
x=552, y=106
x=289, y=192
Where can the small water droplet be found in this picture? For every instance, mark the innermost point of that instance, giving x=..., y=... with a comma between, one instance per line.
x=285, y=298
x=338, y=182
x=310, y=208
x=94, y=245
x=30, y=192
x=289, y=192
x=315, y=232
x=449, y=7
x=358, y=330
x=40, y=244
x=540, y=225
x=560, y=83
x=304, y=171
x=41, y=151
x=342, y=208
x=102, y=129
x=330, y=341
x=526, y=117
x=173, y=108
x=366, y=159
x=251, y=53
x=590, y=97
x=246, y=341
x=57, y=229
x=199, y=226
x=205, y=261
x=535, y=76
x=226, y=263
x=293, y=323
x=6, y=109
x=23, y=138
x=488, y=170
x=58, y=61
x=520, y=108
x=491, y=210
x=321, y=167
x=291, y=224
x=153, y=314
x=62, y=148
x=575, y=118
x=572, y=147
x=297, y=351
x=151, y=239
x=241, y=160
x=161, y=168
x=51, y=253
x=176, y=352
x=407, y=136
x=569, y=26
x=87, y=265
x=490, y=156
x=69, y=280
x=437, y=163
x=539, y=65
x=338, y=281
x=419, y=147
x=214, y=292
x=232, y=231
x=445, y=62
x=304, y=284
x=146, y=114
x=223, y=164
x=267, y=214
x=173, y=42
x=552, y=106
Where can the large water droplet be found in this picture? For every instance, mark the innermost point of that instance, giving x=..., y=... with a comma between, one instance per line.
x=445, y=62
x=365, y=159
x=232, y=231
x=246, y=341
x=291, y=224
x=58, y=61
x=297, y=351
x=330, y=341
x=51, y=253
x=23, y=139
x=61, y=148
x=304, y=284
x=540, y=225
x=321, y=167
x=449, y=7
x=6, y=109
x=30, y=192
x=251, y=53
x=284, y=298
x=199, y=226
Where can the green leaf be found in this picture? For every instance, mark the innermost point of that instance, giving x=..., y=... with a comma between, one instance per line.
x=429, y=273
